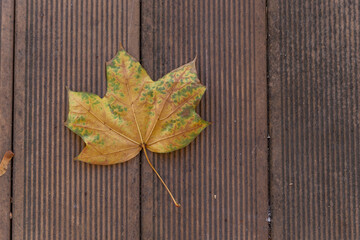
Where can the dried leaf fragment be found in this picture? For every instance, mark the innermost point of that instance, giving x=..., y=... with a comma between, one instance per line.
x=5, y=161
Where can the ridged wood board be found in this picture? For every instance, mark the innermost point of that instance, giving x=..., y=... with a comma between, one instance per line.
x=220, y=179
x=6, y=107
x=314, y=115
x=62, y=44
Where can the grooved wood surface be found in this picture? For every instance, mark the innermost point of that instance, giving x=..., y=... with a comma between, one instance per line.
x=314, y=66
x=63, y=44
x=221, y=178
x=6, y=102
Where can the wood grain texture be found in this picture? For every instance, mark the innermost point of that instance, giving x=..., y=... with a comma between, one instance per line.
x=6, y=107
x=221, y=178
x=315, y=134
x=63, y=44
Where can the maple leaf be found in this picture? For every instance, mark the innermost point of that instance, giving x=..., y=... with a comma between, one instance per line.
x=137, y=113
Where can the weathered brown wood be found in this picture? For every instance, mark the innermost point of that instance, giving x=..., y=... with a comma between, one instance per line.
x=221, y=178
x=63, y=44
x=6, y=100
x=315, y=134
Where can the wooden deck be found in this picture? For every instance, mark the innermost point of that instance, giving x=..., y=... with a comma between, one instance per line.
x=282, y=82
x=314, y=66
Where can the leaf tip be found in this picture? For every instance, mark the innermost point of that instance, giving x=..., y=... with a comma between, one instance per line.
x=69, y=91
x=195, y=58
x=109, y=62
x=9, y=154
x=193, y=63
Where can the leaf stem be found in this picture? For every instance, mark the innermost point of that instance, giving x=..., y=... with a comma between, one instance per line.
x=162, y=181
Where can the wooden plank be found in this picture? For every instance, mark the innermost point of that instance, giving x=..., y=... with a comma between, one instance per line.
x=221, y=178
x=6, y=99
x=59, y=44
x=314, y=79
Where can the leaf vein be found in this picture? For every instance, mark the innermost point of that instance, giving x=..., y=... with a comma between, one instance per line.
x=172, y=136
x=100, y=120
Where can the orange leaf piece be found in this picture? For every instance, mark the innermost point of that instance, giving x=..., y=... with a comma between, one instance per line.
x=5, y=161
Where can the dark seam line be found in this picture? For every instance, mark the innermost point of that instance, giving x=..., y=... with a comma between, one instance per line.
x=268, y=118
x=140, y=154
x=12, y=126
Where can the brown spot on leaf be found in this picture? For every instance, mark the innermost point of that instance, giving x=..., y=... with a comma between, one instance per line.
x=186, y=112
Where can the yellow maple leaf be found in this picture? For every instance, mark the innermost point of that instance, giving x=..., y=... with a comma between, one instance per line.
x=137, y=113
